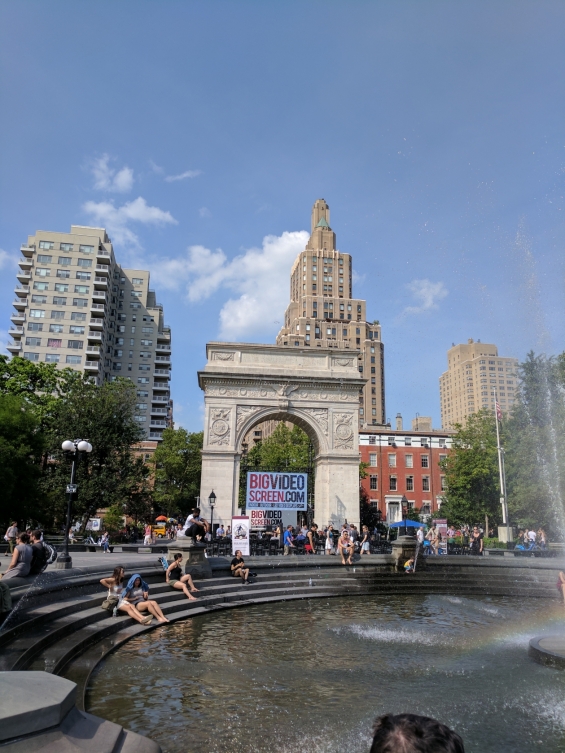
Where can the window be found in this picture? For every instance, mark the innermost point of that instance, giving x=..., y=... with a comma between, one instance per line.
x=35, y=341
x=425, y=483
x=57, y=315
x=74, y=359
x=58, y=301
x=78, y=316
x=146, y=343
x=425, y=459
x=408, y=441
x=443, y=482
x=142, y=380
x=39, y=299
x=118, y=353
x=44, y=259
x=372, y=439
x=392, y=483
x=58, y=328
x=64, y=260
x=84, y=262
x=142, y=393
x=35, y=327
x=141, y=406
x=80, y=302
x=373, y=459
x=63, y=273
x=392, y=460
x=86, y=249
x=54, y=343
x=134, y=305
x=136, y=294
x=117, y=366
x=60, y=287
x=31, y=356
x=37, y=313
x=75, y=344
x=66, y=246
x=373, y=482
x=84, y=289
x=52, y=358
x=147, y=330
x=409, y=483
x=42, y=272
x=409, y=461
x=137, y=280
x=144, y=367
x=83, y=276
x=76, y=330
x=48, y=245
x=423, y=442
x=426, y=508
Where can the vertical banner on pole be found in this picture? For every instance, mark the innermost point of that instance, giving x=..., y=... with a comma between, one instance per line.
x=240, y=534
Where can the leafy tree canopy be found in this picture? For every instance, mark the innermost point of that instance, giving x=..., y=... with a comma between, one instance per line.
x=178, y=467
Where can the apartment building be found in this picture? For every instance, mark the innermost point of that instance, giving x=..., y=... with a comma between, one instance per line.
x=323, y=312
x=475, y=374
x=404, y=468
x=77, y=307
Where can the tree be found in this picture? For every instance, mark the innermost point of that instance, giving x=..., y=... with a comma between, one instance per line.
x=285, y=449
x=178, y=467
x=21, y=446
x=471, y=472
x=535, y=446
x=105, y=415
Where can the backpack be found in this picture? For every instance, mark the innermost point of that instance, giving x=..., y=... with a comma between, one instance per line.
x=49, y=554
x=163, y=562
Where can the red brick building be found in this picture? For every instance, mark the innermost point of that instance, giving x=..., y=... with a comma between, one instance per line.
x=404, y=464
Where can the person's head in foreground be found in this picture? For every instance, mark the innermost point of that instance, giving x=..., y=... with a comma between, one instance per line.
x=410, y=733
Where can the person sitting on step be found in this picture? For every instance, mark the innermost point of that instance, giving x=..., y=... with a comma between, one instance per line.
x=115, y=586
x=137, y=593
x=177, y=580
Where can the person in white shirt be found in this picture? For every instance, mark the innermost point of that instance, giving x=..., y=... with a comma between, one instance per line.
x=420, y=535
x=532, y=537
x=195, y=525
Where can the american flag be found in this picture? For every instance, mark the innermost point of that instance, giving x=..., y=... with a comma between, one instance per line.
x=498, y=411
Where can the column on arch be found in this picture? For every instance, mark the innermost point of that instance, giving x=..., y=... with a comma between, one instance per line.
x=220, y=472
x=336, y=489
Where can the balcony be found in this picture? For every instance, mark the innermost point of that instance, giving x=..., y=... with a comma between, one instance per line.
x=101, y=253
x=159, y=411
x=97, y=307
x=166, y=348
x=99, y=295
x=20, y=303
x=164, y=336
x=97, y=322
x=27, y=250
x=163, y=359
x=103, y=269
x=93, y=350
x=101, y=282
x=162, y=373
x=15, y=331
x=159, y=423
x=23, y=276
x=21, y=290
x=161, y=386
x=92, y=365
x=155, y=435
x=94, y=335
x=25, y=263
x=18, y=317
x=14, y=347
x=158, y=398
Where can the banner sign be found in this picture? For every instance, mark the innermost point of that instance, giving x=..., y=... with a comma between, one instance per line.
x=240, y=534
x=276, y=491
x=263, y=519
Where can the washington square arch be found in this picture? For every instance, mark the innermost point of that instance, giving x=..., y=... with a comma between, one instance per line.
x=246, y=384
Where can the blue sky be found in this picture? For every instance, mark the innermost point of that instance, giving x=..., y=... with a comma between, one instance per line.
x=201, y=133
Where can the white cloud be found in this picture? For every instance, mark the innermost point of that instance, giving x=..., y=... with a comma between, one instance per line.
x=116, y=219
x=5, y=339
x=427, y=294
x=7, y=259
x=204, y=212
x=156, y=168
x=259, y=278
x=106, y=178
x=182, y=176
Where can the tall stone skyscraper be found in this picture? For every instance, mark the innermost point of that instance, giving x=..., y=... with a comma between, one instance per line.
x=322, y=312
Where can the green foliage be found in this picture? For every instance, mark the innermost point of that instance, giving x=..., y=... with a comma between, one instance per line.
x=110, y=474
x=285, y=449
x=178, y=467
x=21, y=446
x=535, y=446
x=471, y=472
x=114, y=518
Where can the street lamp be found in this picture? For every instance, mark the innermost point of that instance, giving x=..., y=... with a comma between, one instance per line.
x=212, y=503
x=404, y=505
x=73, y=450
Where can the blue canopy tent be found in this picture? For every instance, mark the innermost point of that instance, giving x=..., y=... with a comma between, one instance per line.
x=407, y=524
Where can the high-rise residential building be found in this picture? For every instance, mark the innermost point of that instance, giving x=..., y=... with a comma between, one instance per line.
x=323, y=313
x=77, y=307
x=475, y=374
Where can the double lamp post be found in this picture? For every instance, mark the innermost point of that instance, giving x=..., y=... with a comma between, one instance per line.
x=73, y=450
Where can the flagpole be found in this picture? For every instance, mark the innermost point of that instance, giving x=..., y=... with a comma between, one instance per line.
x=501, y=471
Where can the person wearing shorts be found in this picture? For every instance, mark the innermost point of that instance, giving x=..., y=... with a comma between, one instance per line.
x=365, y=543
x=238, y=569
x=177, y=580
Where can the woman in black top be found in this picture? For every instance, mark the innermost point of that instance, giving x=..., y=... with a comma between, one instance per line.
x=176, y=579
x=238, y=569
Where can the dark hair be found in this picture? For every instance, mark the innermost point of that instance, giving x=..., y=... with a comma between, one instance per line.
x=178, y=556
x=24, y=538
x=410, y=733
x=196, y=509
x=36, y=534
x=118, y=574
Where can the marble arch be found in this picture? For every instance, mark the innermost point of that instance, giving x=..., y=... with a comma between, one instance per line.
x=315, y=388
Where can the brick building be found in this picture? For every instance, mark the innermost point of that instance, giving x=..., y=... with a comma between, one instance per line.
x=404, y=464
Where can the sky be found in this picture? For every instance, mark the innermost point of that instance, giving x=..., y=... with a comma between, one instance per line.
x=200, y=133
